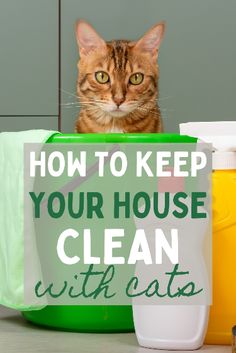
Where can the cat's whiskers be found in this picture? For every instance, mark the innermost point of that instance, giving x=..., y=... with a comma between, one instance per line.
x=80, y=99
x=97, y=106
x=77, y=106
x=80, y=104
x=68, y=93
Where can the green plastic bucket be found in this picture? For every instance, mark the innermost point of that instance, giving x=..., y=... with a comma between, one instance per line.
x=96, y=318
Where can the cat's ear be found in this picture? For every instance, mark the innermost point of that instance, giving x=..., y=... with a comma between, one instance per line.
x=87, y=38
x=151, y=40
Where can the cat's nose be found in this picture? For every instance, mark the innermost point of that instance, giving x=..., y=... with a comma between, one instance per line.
x=119, y=100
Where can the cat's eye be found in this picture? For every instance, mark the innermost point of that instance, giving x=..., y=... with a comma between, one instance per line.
x=136, y=78
x=102, y=77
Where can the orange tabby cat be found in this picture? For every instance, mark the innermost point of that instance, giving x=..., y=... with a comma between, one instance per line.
x=118, y=82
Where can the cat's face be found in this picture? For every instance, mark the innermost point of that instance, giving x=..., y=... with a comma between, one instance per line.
x=118, y=77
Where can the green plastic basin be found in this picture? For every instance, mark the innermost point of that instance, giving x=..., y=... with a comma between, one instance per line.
x=96, y=318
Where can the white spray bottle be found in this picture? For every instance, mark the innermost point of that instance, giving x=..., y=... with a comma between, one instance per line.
x=169, y=327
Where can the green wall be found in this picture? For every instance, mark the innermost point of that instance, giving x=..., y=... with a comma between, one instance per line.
x=28, y=64
x=197, y=57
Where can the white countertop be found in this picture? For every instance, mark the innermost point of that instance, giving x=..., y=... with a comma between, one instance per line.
x=19, y=336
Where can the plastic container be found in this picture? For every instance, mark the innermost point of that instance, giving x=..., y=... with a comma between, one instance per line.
x=96, y=318
x=223, y=310
x=222, y=135
x=177, y=327
x=170, y=327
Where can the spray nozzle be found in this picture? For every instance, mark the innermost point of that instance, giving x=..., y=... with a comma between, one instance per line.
x=222, y=136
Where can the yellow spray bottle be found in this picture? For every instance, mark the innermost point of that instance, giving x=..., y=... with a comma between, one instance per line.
x=222, y=136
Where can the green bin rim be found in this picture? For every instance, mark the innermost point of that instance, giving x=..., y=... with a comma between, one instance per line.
x=121, y=138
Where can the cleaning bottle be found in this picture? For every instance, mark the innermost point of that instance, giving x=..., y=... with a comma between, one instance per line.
x=164, y=326
x=222, y=135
